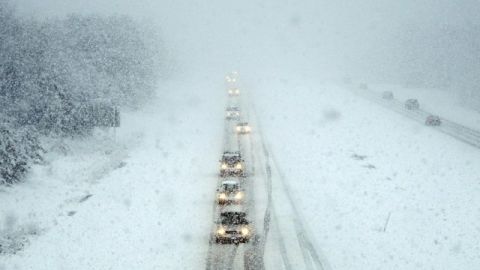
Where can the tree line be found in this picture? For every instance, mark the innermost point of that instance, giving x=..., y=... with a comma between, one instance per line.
x=52, y=70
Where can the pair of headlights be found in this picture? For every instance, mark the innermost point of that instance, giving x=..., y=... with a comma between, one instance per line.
x=244, y=129
x=222, y=196
x=224, y=166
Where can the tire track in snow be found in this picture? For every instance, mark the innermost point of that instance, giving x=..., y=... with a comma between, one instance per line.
x=311, y=257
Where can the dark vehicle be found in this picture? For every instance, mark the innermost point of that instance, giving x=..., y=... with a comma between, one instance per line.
x=233, y=228
x=232, y=113
x=387, y=95
x=412, y=104
x=230, y=191
x=231, y=164
x=433, y=120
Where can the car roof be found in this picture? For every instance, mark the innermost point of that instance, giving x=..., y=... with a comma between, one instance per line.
x=227, y=153
x=230, y=182
x=233, y=208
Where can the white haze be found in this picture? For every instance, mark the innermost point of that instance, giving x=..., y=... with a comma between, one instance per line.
x=324, y=39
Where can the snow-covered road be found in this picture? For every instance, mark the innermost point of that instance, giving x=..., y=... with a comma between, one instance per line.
x=373, y=189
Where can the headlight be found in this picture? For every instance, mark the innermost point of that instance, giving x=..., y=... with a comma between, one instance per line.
x=248, y=129
x=230, y=92
x=221, y=231
x=237, y=91
x=244, y=231
x=222, y=196
x=224, y=166
x=238, y=166
x=239, y=195
x=239, y=128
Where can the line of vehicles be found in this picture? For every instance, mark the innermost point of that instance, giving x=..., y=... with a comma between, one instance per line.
x=232, y=225
x=412, y=105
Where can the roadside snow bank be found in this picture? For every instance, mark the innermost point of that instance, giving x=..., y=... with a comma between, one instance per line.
x=145, y=204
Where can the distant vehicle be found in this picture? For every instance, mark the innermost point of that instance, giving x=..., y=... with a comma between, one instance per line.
x=387, y=95
x=243, y=128
x=232, y=113
x=231, y=164
x=347, y=79
x=412, y=104
x=433, y=120
x=233, y=92
x=363, y=86
x=233, y=228
x=231, y=78
x=230, y=192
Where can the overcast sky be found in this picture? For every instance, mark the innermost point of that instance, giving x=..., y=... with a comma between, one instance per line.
x=295, y=36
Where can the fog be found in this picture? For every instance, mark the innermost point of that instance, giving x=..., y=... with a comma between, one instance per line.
x=373, y=40
x=349, y=136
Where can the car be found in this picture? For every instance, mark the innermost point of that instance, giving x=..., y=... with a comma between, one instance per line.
x=243, y=128
x=412, y=104
x=231, y=164
x=387, y=95
x=233, y=227
x=231, y=78
x=230, y=192
x=232, y=113
x=433, y=120
x=233, y=92
x=363, y=86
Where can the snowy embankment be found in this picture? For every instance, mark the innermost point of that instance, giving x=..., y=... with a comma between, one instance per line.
x=377, y=190
x=141, y=201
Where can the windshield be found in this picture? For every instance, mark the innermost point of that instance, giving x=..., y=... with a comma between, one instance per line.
x=346, y=132
x=233, y=218
x=230, y=187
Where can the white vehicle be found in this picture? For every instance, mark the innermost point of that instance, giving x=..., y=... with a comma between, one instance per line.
x=232, y=77
x=232, y=113
x=233, y=92
x=243, y=128
x=233, y=228
x=231, y=164
x=230, y=192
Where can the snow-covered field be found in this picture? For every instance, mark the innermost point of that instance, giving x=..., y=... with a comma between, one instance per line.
x=377, y=190
x=142, y=200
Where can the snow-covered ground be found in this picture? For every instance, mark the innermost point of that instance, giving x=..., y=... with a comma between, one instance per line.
x=377, y=190
x=140, y=201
